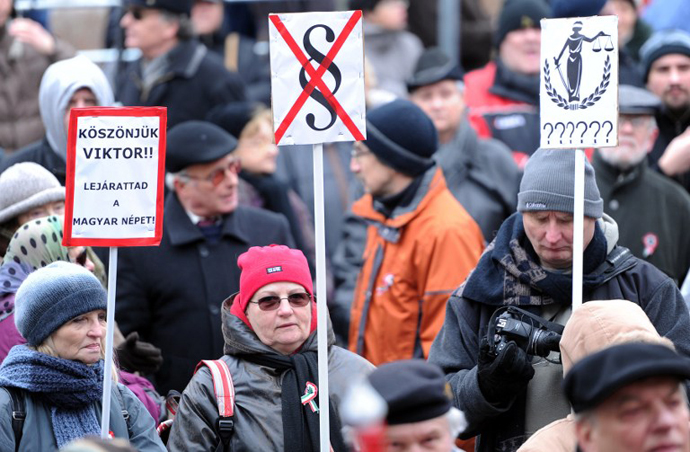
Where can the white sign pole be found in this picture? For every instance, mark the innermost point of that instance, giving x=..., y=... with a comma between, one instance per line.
x=108, y=371
x=322, y=319
x=578, y=227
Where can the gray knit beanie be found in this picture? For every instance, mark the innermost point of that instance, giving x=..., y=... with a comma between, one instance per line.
x=549, y=184
x=663, y=43
x=25, y=186
x=51, y=296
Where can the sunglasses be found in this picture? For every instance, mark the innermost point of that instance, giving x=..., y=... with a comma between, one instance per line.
x=218, y=176
x=271, y=303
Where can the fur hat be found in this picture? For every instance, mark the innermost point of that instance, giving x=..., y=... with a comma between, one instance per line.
x=51, y=296
x=25, y=186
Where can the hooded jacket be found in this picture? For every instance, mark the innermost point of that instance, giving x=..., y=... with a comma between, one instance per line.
x=593, y=327
x=258, y=423
x=60, y=81
x=412, y=262
x=619, y=276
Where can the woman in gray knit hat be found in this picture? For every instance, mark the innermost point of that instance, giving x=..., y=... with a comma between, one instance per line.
x=58, y=373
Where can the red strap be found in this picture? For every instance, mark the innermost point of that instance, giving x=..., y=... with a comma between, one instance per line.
x=222, y=385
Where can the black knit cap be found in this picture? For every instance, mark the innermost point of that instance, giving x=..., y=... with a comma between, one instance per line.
x=413, y=389
x=596, y=377
x=174, y=6
x=233, y=117
x=520, y=14
x=433, y=66
x=195, y=142
x=402, y=136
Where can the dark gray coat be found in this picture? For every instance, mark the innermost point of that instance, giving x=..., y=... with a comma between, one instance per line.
x=38, y=429
x=196, y=81
x=171, y=294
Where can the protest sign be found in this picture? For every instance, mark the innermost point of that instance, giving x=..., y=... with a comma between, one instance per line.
x=115, y=175
x=317, y=77
x=579, y=82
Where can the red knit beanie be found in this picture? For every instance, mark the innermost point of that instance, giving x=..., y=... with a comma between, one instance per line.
x=262, y=265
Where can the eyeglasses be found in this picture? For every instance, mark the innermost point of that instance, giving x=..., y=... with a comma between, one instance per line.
x=137, y=12
x=634, y=120
x=271, y=303
x=357, y=153
x=217, y=176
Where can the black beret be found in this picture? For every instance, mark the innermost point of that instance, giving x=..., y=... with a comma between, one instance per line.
x=174, y=6
x=195, y=142
x=432, y=67
x=413, y=389
x=596, y=377
x=637, y=101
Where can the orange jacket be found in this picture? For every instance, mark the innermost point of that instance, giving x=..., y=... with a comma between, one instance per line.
x=408, y=276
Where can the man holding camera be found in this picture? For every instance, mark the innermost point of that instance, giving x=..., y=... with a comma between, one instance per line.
x=508, y=392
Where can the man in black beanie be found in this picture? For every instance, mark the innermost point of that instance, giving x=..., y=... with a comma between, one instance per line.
x=510, y=391
x=421, y=242
x=175, y=70
x=171, y=294
x=479, y=172
x=503, y=96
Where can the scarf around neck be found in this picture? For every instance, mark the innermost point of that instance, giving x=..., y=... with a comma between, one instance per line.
x=519, y=87
x=299, y=405
x=69, y=388
x=509, y=273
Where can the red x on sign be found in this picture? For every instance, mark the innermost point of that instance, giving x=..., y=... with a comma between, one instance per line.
x=316, y=80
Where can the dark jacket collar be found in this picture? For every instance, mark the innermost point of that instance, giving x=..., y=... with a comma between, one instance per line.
x=181, y=230
x=613, y=176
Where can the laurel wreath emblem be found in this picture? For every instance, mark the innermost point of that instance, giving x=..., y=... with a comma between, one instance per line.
x=587, y=101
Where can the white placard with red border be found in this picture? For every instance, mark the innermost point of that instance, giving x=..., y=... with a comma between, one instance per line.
x=115, y=176
x=317, y=77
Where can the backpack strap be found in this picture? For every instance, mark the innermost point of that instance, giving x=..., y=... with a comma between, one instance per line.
x=18, y=414
x=125, y=413
x=224, y=390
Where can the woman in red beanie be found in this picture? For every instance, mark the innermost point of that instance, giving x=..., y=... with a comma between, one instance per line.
x=269, y=328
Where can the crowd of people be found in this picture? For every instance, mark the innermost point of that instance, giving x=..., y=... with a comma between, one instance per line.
x=449, y=244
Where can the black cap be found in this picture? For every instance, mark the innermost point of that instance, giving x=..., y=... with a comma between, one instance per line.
x=637, y=101
x=432, y=67
x=195, y=142
x=364, y=5
x=414, y=390
x=174, y=6
x=596, y=377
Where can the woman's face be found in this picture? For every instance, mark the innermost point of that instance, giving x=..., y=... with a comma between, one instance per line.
x=257, y=151
x=80, y=338
x=285, y=328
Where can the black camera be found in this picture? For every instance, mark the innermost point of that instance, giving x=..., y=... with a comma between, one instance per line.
x=533, y=334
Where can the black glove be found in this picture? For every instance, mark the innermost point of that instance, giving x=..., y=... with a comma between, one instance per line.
x=502, y=377
x=138, y=356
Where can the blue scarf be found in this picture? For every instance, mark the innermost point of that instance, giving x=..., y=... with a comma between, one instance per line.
x=69, y=387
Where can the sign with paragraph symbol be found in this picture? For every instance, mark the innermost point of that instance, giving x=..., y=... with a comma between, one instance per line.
x=579, y=82
x=317, y=77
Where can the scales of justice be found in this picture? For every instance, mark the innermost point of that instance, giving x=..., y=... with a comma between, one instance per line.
x=574, y=62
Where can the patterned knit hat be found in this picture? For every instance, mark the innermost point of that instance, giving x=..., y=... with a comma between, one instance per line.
x=53, y=295
x=549, y=184
x=263, y=265
x=25, y=186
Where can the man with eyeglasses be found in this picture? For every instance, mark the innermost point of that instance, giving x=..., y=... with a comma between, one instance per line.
x=171, y=294
x=421, y=243
x=650, y=210
x=175, y=70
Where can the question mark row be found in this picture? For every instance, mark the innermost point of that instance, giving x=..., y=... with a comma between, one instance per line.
x=572, y=127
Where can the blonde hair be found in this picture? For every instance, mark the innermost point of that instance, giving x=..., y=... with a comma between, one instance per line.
x=260, y=116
